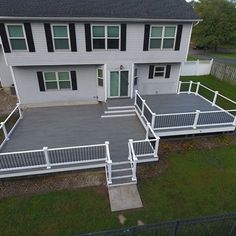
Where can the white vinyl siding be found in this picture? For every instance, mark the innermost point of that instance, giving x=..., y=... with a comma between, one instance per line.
x=17, y=37
x=105, y=37
x=61, y=38
x=162, y=37
x=57, y=80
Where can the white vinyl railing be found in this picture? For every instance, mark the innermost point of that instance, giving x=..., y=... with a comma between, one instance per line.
x=48, y=158
x=108, y=164
x=144, y=149
x=191, y=119
x=9, y=124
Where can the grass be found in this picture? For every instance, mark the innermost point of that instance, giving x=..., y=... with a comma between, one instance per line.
x=192, y=57
x=196, y=183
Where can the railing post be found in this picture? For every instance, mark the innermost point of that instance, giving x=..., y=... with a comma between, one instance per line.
x=134, y=176
x=197, y=89
x=144, y=102
x=153, y=119
x=215, y=97
x=20, y=112
x=135, y=97
x=147, y=130
x=156, y=147
x=45, y=150
x=109, y=163
x=196, y=119
x=4, y=131
x=190, y=87
x=179, y=87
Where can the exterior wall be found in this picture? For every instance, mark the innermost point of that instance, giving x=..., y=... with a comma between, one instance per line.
x=5, y=73
x=148, y=86
x=134, y=49
x=30, y=95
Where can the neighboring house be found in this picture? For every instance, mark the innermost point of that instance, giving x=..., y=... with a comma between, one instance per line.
x=73, y=52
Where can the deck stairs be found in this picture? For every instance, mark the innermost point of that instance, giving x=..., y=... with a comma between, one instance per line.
x=121, y=174
x=119, y=111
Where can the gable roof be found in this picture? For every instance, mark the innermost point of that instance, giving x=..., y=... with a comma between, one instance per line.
x=125, y=9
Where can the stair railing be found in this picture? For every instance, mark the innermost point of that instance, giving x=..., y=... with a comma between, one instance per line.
x=108, y=164
x=133, y=159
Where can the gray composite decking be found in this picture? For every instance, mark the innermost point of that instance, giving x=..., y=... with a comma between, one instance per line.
x=67, y=126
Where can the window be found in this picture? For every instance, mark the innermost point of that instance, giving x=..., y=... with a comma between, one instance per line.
x=17, y=38
x=100, y=77
x=57, y=80
x=162, y=37
x=106, y=37
x=60, y=34
x=159, y=71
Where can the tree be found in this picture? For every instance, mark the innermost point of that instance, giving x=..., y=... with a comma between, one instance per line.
x=218, y=27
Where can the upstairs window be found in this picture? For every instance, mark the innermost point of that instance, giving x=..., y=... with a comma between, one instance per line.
x=17, y=37
x=57, y=80
x=162, y=37
x=106, y=37
x=61, y=38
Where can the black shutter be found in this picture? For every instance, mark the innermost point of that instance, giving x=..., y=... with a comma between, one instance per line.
x=168, y=70
x=72, y=37
x=146, y=38
x=5, y=42
x=40, y=81
x=123, y=37
x=87, y=29
x=48, y=34
x=29, y=36
x=178, y=37
x=151, y=71
x=73, y=80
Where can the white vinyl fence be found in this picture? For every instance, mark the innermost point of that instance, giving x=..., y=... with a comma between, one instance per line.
x=195, y=68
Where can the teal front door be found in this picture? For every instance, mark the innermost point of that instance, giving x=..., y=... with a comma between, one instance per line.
x=119, y=83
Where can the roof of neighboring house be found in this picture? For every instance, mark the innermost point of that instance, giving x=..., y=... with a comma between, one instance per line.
x=131, y=9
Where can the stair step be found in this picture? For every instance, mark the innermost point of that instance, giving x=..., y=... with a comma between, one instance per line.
x=120, y=182
x=119, y=111
x=121, y=177
x=121, y=170
x=121, y=174
x=120, y=163
x=120, y=107
x=118, y=115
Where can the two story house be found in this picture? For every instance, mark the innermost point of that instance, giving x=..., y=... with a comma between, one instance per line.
x=82, y=52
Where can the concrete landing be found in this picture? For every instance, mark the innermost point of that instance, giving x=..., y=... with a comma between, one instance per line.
x=124, y=197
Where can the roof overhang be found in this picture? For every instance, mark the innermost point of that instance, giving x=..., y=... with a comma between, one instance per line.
x=85, y=19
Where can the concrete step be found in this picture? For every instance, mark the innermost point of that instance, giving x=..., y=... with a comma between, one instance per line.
x=118, y=115
x=112, y=112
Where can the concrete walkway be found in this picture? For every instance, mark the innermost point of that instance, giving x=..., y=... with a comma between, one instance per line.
x=124, y=197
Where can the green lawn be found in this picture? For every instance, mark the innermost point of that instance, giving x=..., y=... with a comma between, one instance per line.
x=225, y=55
x=196, y=183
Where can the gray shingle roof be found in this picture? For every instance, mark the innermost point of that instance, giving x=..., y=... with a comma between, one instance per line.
x=140, y=9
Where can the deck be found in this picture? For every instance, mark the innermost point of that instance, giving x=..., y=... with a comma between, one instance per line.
x=67, y=126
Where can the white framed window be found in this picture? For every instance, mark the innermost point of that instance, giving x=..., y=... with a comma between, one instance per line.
x=17, y=37
x=159, y=72
x=162, y=37
x=57, y=80
x=100, y=77
x=106, y=37
x=61, y=36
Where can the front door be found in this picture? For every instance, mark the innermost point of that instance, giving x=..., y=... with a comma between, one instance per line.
x=119, y=83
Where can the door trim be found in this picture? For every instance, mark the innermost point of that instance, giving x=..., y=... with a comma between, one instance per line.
x=108, y=87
